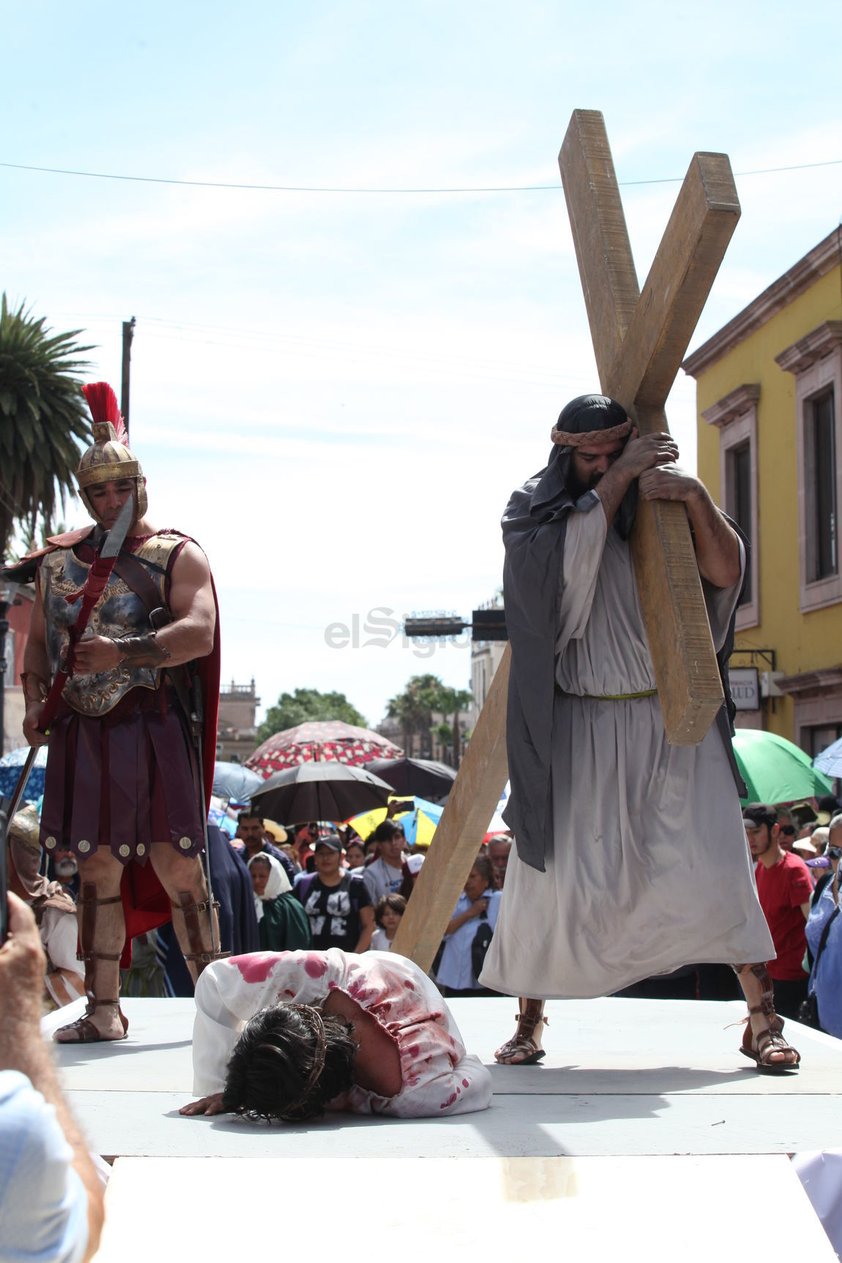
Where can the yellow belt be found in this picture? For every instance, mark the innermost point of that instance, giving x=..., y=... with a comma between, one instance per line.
x=618, y=697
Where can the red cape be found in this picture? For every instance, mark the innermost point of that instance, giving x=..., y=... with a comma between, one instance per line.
x=146, y=904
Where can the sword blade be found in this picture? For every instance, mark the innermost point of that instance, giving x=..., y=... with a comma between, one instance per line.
x=116, y=537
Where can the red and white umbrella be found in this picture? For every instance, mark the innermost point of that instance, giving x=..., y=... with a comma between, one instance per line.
x=321, y=741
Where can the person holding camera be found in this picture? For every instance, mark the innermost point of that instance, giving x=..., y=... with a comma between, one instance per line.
x=51, y=1201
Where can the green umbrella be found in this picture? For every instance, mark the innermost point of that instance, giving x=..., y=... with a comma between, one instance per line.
x=775, y=770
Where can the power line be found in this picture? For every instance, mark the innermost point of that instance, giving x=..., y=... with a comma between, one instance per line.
x=374, y=191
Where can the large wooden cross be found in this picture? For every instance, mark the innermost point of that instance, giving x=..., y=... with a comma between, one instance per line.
x=640, y=339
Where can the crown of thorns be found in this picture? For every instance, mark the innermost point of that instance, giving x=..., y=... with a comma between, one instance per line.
x=313, y=1018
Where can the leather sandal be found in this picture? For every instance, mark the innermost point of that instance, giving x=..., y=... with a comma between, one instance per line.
x=761, y=1047
x=86, y=1032
x=523, y=1039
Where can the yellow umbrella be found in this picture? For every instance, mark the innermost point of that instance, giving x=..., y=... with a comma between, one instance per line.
x=367, y=821
x=419, y=821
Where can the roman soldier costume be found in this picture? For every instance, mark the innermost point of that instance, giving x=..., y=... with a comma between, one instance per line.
x=131, y=748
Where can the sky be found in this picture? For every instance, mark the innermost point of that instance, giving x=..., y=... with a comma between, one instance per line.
x=339, y=377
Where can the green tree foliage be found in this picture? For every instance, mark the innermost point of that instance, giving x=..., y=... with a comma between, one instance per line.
x=42, y=415
x=305, y=705
x=424, y=696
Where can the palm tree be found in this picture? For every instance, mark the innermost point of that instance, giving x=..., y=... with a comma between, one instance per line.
x=413, y=709
x=42, y=414
x=452, y=702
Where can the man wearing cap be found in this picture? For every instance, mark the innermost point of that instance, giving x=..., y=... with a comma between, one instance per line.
x=336, y=900
x=630, y=856
x=123, y=776
x=785, y=888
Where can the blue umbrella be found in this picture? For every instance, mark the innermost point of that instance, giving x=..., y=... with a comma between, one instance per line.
x=830, y=760
x=10, y=769
x=233, y=781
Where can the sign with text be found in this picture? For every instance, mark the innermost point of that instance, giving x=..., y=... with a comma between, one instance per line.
x=745, y=687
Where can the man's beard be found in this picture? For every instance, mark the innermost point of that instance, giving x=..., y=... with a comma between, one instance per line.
x=578, y=488
x=66, y=868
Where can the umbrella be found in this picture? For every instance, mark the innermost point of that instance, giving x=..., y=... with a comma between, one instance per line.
x=415, y=776
x=321, y=740
x=829, y=761
x=10, y=768
x=232, y=780
x=320, y=791
x=775, y=770
x=419, y=823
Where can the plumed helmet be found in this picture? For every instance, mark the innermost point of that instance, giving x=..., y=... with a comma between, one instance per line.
x=109, y=458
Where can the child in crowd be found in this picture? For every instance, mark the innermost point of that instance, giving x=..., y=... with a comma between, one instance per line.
x=387, y=913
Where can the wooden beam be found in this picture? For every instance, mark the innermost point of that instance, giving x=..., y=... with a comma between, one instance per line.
x=639, y=346
x=600, y=236
x=473, y=798
x=642, y=370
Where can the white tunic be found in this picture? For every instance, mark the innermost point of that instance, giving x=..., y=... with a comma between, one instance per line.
x=439, y=1076
x=650, y=867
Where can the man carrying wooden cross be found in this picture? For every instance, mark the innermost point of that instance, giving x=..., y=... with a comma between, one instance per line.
x=631, y=856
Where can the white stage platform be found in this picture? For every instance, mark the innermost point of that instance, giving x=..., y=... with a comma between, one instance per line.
x=621, y=1078
x=643, y=1131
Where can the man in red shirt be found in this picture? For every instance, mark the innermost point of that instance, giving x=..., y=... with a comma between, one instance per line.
x=784, y=887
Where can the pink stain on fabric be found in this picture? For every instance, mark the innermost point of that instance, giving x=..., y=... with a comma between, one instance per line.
x=254, y=968
x=448, y=1102
x=314, y=966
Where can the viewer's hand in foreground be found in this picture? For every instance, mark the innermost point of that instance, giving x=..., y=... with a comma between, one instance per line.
x=22, y=965
x=205, y=1105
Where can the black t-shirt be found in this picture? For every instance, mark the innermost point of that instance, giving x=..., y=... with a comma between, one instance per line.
x=334, y=911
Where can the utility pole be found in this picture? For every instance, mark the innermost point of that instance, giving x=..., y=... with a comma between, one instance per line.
x=128, y=334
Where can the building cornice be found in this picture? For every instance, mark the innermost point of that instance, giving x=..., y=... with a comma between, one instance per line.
x=807, y=682
x=822, y=259
x=815, y=345
x=733, y=405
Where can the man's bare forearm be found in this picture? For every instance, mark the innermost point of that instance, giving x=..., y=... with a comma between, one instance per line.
x=716, y=543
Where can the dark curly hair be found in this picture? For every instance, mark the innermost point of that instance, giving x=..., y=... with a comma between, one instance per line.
x=289, y=1062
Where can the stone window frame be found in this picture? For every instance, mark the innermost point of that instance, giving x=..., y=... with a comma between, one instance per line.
x=815, y=362
x=735, y=416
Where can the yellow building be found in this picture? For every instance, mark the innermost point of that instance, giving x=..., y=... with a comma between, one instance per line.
x=769, y=400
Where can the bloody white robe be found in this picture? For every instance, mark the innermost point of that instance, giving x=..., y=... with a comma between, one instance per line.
x=439, y=1076
x=649, y=868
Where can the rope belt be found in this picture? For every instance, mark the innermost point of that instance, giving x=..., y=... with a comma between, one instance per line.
x=618, y=697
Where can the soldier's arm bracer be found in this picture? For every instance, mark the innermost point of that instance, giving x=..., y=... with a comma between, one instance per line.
x=143, y=651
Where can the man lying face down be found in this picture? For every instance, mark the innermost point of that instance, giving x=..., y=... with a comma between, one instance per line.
x=284, y=1036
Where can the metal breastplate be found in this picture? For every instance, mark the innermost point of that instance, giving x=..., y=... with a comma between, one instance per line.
x=118, y=612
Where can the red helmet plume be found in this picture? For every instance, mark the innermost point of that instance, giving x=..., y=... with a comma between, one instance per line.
x=104, y=408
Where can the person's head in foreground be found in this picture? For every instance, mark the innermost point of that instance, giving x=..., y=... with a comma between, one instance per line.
x=289, y=1063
